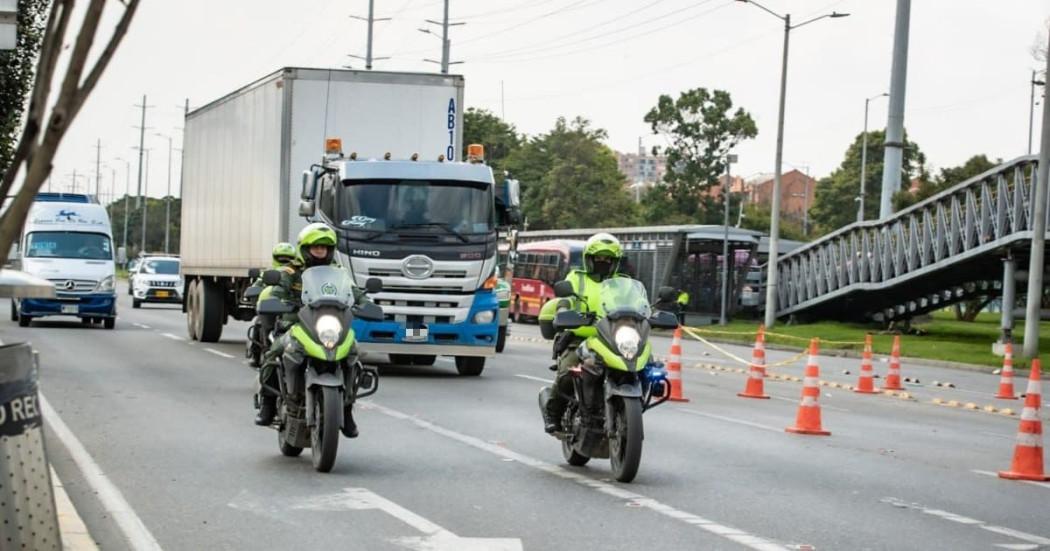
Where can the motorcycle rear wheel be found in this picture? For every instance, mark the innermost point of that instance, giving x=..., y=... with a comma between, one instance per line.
x=324, y=435
x=625, y=443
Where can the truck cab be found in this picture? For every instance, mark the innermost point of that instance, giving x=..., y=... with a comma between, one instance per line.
x=67, y=240
x=428, y=230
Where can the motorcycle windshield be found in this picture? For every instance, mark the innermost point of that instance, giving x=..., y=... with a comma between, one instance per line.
x=328, y=284
x=624, y=296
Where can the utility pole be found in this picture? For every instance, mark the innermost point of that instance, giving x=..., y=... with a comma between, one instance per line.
x=446, y=44
x=98, y=166
x=864, y=159
x=145, y=204
x=1031, y=107
x=142, y=144
x=730, y=159
x=1035, y=263
x=894, y=152
x=371, y=19
x=167, y=199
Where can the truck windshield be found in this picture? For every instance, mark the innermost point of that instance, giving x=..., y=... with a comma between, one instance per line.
x=380, y=205
x=61, y=244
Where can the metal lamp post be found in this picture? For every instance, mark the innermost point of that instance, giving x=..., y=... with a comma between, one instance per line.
x=730, y=159
x=1031, y=107
x=774, y=226
x=864, y=157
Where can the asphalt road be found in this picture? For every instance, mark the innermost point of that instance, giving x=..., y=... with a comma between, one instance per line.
x=443, y=460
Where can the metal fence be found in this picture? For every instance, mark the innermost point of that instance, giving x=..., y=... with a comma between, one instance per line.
x=939, y=251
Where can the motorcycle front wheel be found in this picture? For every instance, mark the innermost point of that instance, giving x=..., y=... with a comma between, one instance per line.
x=324, y=435
x=625, y=442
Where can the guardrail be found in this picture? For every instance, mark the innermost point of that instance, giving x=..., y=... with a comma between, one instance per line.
x=979, y=217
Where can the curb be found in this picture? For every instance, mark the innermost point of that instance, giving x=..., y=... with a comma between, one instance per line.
x=75, y=536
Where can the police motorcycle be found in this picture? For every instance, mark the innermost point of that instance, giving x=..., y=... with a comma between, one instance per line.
x=315, y=399
x=616, y=381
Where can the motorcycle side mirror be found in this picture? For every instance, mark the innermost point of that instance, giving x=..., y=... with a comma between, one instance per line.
x=252, y=293
x=271, y=277
x=274, y=307
x=369, y=311
x=253, y=273
x=374, y=285
x=667, y=294
x=663, y=320
x=569, y=319
x=563, y=289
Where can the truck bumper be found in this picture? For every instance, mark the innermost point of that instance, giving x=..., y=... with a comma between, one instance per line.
x=443, y=339
x=95, y=305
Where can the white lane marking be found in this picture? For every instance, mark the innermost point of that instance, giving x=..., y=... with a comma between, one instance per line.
x=140, y=325
x=531, y=378
x=435, y=537
x=217, y=353
x=1032, y=538
x=638, y=500
x=1018, y=546
x=730, y=420
x=135, y=532
x=1043, y=485
x=172, y=337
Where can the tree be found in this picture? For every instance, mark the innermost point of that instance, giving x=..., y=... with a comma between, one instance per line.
x=570, y=179
x=39, y=141
x=154, y=226
x=499, y=137
x=756, y=217
x=701, y=129
x=834, y=204
x=947, y=178
x=16, y=74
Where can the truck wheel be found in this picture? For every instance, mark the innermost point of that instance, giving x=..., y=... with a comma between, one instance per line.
x=191, y=310
x=501, y=340
x=212, y=311
x=470, y=366
x=109, y=323
x=14, y=310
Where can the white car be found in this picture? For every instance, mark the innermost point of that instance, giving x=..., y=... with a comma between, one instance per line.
x=157, y=279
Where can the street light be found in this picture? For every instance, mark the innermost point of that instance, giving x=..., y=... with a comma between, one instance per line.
x=730, y=159
x=774, y=226
x=864, y=157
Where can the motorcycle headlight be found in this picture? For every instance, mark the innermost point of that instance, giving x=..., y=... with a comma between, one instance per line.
x=627, y=340
x=328, y=329
x=105, y=285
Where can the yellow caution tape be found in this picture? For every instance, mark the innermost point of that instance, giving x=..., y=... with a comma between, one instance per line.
x=693, y=333
x=770, y=334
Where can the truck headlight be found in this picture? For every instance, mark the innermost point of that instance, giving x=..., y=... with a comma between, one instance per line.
x=105, y=285
x=627, y=339
x=485, y=316
x=328, y=329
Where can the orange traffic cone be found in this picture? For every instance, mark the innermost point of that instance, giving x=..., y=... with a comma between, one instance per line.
x=866, y=383
x=808, y=419
x=755, y=386
x=1006, y=381
x=674, y=367
x=1028, y=452
x=893, y=378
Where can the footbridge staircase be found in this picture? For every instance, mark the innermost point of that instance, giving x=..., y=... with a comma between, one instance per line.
x=948, y=248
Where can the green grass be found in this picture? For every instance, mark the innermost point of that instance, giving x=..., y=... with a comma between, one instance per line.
x=942, y=338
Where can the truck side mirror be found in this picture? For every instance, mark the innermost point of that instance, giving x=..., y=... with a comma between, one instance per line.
x=309, y=185
x=307, y=208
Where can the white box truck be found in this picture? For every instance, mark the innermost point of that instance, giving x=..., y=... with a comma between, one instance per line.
x=255, y=172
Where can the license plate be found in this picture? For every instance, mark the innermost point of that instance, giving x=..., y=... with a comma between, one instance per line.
x=70, y=309
x=415, y=334
x=163, y=294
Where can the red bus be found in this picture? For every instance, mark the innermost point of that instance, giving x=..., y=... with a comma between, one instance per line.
x=537, y=267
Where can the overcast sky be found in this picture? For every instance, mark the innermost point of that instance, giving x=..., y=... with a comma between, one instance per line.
x=606, y=60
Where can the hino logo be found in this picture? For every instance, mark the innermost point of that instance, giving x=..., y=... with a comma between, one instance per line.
x=417, y=267
x=364, y=252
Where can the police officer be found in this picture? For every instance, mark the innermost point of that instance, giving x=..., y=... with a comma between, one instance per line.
x=602, y=256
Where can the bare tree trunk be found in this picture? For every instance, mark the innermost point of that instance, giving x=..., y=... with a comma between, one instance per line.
x=35, y=156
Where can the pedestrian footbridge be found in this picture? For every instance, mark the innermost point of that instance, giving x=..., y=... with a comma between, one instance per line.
x=948, y=248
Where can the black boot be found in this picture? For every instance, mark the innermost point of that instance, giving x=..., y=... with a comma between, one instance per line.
x=267, y=409
x=349, y=426
x=553, y=413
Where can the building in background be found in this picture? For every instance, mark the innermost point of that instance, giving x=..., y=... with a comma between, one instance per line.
x=796, y=192
x=642, y=169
